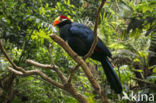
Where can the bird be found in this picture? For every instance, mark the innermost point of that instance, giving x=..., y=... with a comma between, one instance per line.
x=80, y=38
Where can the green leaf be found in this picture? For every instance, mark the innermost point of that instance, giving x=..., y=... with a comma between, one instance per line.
x=116, y=46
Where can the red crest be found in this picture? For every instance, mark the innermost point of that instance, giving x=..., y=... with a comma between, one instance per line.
x=64, y=17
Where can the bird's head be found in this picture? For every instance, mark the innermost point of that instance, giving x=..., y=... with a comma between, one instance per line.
x=60, y=19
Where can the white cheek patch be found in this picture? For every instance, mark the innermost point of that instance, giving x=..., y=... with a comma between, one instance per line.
x=64, y=19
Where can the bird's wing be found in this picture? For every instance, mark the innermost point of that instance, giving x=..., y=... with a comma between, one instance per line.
x=82, y=31
x=87, y=34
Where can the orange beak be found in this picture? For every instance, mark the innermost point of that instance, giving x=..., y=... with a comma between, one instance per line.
x=56, y=21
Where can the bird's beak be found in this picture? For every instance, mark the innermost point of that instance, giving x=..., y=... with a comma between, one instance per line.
x=56, y=21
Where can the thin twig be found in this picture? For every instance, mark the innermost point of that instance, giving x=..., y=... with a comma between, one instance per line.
x=11, y=62
x=15, y=71
x=144, y=81
x=95, y=31
x=47, y=66
x=116, y=2
x=37, y=72
x=72, y=73
x=54, y=67
x=50, y=53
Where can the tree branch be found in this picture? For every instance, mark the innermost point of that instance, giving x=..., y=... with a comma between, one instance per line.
x=82, y=63
x=54, y=67
x=47, y=66
x=15, y=71
x=37, y=72
x=11, y=62
x=50, y=53
x=95, y=31
x=65, y=86
x=72, y=73
x=23, y=72
x=144, y=81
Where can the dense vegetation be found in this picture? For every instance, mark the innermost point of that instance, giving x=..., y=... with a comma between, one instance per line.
x=127, y=27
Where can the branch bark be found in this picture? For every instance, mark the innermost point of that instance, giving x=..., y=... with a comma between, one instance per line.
x=54, y=67
x=95, y=31
x=11, y=62
x=72, y=73
x=144, y=81
x=37, y=72
x=82, y=63
x=65, y=85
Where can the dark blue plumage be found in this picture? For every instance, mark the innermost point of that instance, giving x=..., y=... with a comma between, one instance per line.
x=80, y=39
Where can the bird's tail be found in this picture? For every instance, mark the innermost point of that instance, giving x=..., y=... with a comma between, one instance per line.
x=111, y=75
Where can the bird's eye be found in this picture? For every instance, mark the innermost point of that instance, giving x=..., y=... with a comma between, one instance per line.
x=60, y=19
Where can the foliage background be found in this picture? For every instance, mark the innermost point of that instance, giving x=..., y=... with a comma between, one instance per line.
x=127, y=27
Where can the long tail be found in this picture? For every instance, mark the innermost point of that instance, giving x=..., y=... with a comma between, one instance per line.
x=111, y=76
